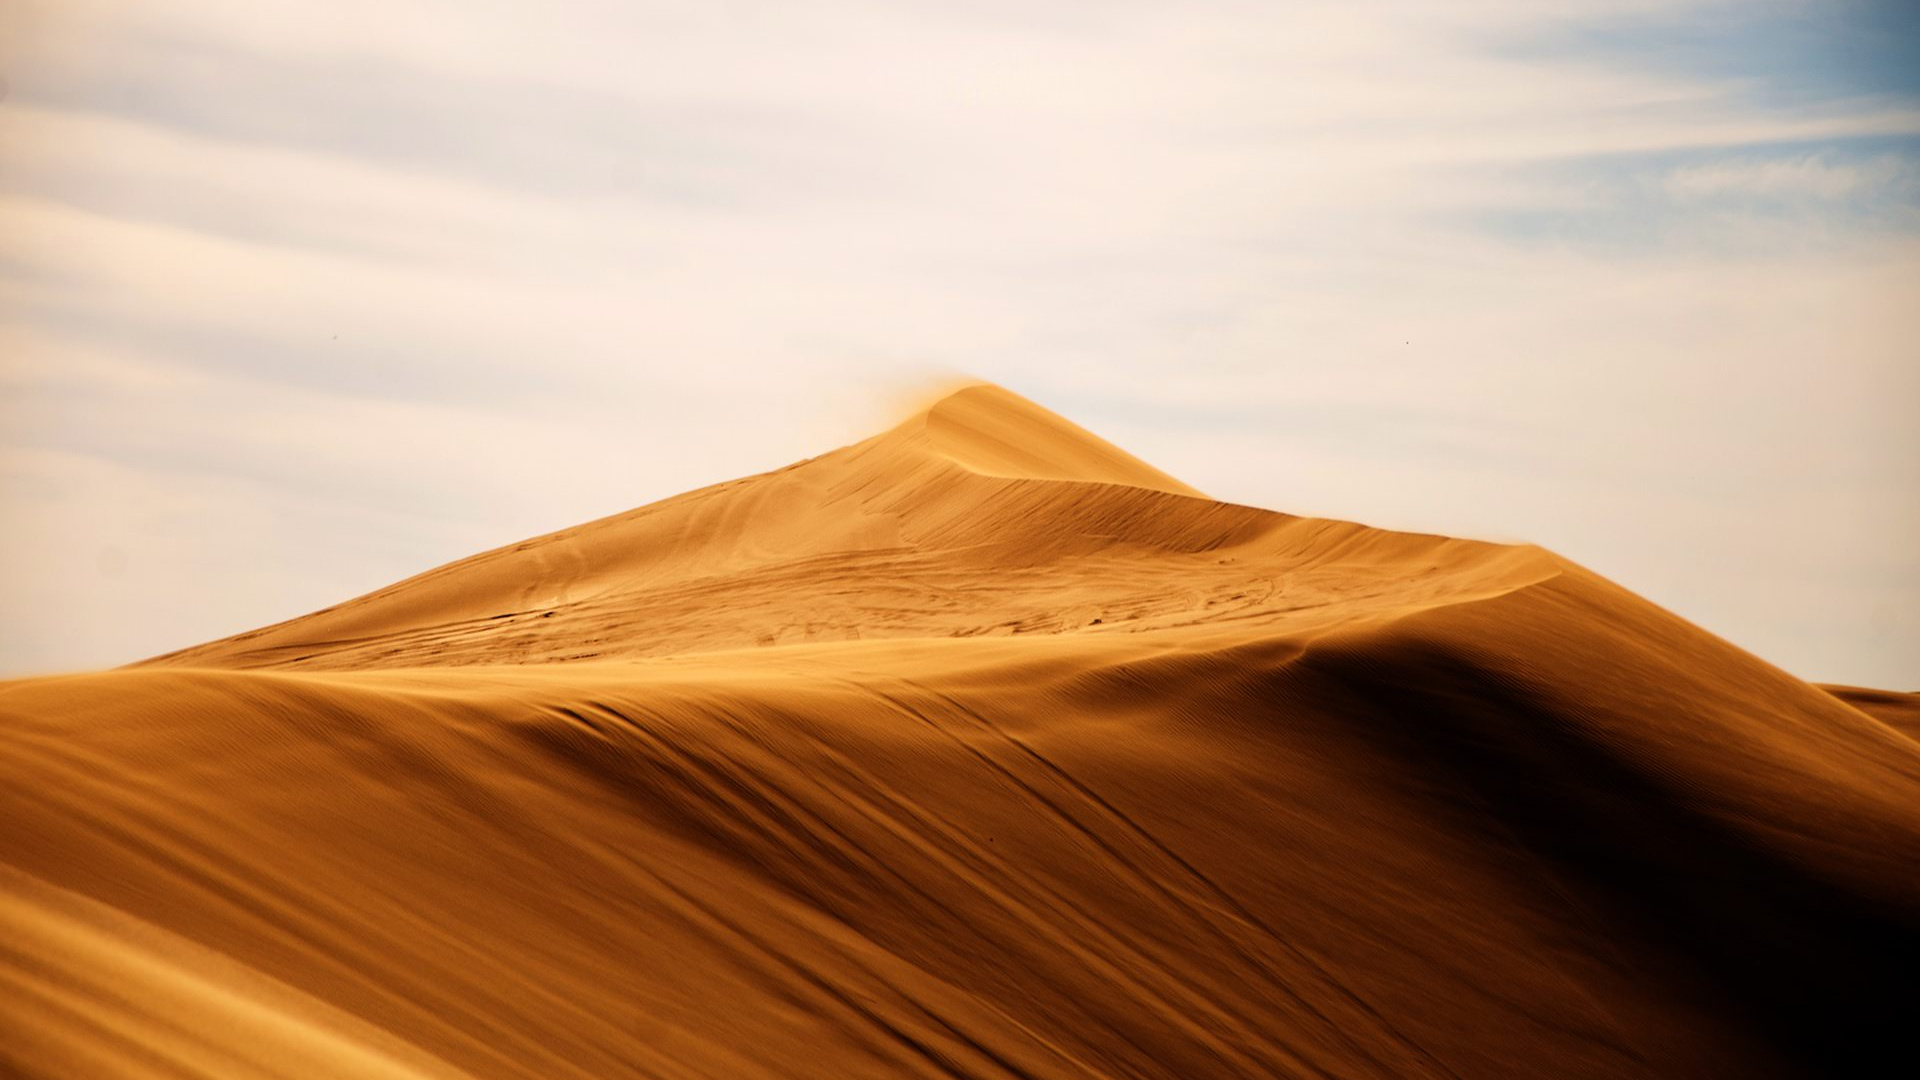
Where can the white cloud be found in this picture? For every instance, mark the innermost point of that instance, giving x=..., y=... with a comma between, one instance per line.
x=1808, y=176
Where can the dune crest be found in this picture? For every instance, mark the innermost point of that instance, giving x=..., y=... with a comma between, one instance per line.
x=988, y=430
x=981, y=515
x=978, y=748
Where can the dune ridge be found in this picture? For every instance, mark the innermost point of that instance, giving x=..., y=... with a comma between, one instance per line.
x=978, y=748
x=936, y=528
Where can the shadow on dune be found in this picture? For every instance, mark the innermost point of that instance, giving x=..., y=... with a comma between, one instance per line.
x=1792, y=951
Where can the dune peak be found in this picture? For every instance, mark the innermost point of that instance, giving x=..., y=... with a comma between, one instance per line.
x=992, y=430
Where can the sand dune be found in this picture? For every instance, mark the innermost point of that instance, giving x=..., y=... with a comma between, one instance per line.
x=979, y=748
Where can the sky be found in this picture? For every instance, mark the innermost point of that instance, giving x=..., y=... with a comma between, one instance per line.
x=299, y=299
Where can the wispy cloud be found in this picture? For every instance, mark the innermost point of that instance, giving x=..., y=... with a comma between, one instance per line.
x=1807, y=176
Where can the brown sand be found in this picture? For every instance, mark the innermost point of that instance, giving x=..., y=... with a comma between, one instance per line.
x=979, y=748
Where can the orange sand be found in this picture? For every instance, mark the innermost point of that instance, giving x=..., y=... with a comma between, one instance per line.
x=979, y=748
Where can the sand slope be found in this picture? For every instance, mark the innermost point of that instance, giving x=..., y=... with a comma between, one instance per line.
x=979, y=748
x=938, y=528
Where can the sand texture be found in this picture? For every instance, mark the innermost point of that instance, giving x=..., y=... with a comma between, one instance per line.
x=976, y=749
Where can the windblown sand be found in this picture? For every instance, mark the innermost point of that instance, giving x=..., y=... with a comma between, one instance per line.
x=979, y=749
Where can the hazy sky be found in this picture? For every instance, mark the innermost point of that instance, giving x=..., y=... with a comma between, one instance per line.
x=297, y=299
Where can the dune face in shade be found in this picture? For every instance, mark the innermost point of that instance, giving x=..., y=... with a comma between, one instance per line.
x=979, y=748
